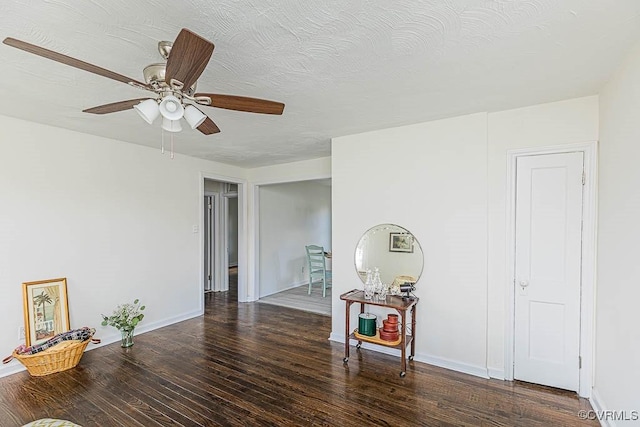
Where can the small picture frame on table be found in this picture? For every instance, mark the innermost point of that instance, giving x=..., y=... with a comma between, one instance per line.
x=46, y=310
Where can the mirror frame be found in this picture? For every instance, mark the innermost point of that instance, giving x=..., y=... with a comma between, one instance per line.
x=392, y=251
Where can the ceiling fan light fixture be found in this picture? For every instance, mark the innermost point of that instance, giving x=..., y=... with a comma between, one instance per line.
x=171, y=108
x=148, y=110
x=171, y=125
x=172, y=82
x=193, y=116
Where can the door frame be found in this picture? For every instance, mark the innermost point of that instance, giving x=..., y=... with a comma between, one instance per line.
x=227, y=195
x=224, y=243
x=253, y=194
x=216, y=277
x=224, y=236
x=588, y=269
x=243, y=214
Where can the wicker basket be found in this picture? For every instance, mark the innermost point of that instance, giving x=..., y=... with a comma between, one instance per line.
x=62, y=356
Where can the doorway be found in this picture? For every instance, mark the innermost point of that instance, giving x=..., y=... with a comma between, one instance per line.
x=547, y=269
x=220, y=237
x=290, y=216
x=549, y=336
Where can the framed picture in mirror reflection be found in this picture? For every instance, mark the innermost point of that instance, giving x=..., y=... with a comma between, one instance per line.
x=400, y=242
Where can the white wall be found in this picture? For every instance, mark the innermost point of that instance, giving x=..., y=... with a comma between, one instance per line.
x=291, y=172
x=114, y=218
x=556, y=123
x=617, y=382
x=292, y=215
x=446, y=181
x=431, y=179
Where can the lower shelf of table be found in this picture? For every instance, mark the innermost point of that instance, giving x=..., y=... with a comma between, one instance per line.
x=377, y=340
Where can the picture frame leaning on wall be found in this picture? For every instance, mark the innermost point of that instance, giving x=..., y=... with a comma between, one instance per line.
x=46, y=309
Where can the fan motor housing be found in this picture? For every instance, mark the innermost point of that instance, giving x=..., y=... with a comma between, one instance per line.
x=154, y=75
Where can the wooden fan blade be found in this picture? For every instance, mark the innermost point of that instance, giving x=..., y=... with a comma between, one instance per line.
x=114, y=107
x=67, y=60
x=208, y=127
x=242, y=103
x=188, y=58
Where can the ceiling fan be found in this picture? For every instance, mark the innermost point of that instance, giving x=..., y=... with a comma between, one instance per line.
x=173, y=82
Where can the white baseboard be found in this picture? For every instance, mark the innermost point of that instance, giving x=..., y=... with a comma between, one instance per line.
x=11, y=368
x=496, y=373
x=293, y=285
x=112, y=335
x=465, y=368
x=610, y=417
x=336, y=337
x=598, y=405
x=453, y=365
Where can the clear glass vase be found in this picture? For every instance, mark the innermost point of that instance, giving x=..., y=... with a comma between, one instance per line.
x=127, y=338
x=380, y=288
x=368, y=286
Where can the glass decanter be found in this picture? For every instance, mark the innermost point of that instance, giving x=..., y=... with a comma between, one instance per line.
x=369, y=288
x=379, y=288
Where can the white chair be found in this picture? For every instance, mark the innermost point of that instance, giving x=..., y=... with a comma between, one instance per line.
x=318, y=268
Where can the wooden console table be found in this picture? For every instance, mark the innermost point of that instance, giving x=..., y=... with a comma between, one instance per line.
x=401, y=305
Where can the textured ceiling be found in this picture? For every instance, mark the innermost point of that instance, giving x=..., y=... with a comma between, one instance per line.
x=341, y=67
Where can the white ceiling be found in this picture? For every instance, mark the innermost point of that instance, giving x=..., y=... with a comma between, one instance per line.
x=341, y=67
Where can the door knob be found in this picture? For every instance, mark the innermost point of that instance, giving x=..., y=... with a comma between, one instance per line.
x=524, y=283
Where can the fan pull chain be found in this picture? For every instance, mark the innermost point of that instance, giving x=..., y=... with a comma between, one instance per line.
x=171, y=145
x=162, y=141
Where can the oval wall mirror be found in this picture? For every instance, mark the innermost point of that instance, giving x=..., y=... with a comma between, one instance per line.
x=393, y=250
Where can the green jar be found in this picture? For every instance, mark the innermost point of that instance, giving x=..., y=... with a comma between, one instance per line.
x=367, y=324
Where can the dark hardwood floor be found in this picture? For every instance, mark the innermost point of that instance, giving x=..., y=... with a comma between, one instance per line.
x=262, y=365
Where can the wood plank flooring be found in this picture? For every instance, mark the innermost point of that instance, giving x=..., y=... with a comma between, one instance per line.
x=300, y=299
x=262, y=365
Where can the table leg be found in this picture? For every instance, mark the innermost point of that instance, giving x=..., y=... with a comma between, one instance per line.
x=403, y=340
x=361, y=311
x=347, y=332
x=413, y=331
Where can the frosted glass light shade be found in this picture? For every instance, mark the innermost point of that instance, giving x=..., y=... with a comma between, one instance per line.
x=193, y=116
x=148, y=110
x=171, y=108
x=171, y=125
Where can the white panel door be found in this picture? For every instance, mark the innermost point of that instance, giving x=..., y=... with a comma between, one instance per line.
x=547, y=269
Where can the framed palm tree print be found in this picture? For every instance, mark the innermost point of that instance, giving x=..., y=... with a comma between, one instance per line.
x=46, y=310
